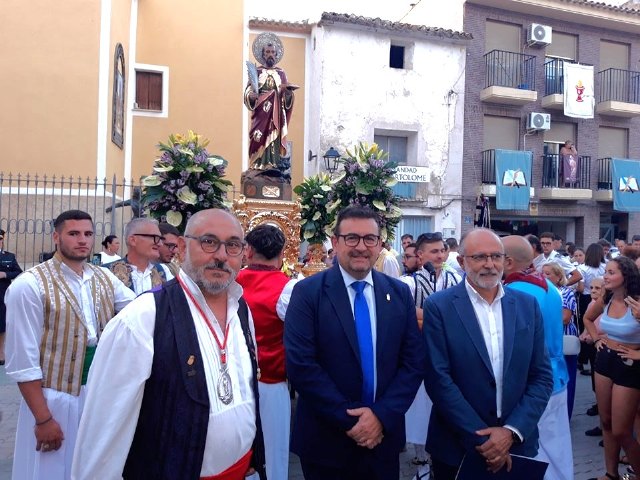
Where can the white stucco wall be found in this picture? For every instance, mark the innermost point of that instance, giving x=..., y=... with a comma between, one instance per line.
x=356, y=94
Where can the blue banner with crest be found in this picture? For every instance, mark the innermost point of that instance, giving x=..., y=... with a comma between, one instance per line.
x=625, y=177
x=513, y=179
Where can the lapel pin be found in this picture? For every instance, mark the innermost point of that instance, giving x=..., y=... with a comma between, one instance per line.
x=191, y=360
x=388, y=297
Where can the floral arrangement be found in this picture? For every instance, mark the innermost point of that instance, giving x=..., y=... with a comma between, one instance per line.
x=316, y=218
x=367, y=179
x=186, y=179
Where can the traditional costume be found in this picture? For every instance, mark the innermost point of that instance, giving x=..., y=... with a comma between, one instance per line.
x=184, y=400
x=56, y=317
x=153, y=276
x=387, y=263
x=267, y=291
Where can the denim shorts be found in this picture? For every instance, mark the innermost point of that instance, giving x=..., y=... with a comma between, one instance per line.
x=625, y=373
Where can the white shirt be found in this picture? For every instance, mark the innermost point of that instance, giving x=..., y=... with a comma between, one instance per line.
x=141, y=281
x=452, y=263
x=588, y=274
x=371, y=303
x=564, y=262
x=490, y=321
x=283, y=299
x=410, y=281
x=107, y=258
x=26, y=307
x=123, y=364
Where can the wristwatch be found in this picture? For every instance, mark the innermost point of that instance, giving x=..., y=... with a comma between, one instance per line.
x=516, y=438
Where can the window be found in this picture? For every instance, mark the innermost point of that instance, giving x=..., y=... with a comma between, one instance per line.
x=396, y=147
x=614, y=55
x=502, y=36
x=396, y=56
x=501, y=132
x=149, y=90
x=613, y=142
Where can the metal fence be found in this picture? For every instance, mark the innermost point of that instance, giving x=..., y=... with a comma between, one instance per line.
x=553, y=174
x=509, y=69
x=618, y=85
x=604, y=173
x=30, y=203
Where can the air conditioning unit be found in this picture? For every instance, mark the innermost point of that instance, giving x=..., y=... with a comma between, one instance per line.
x=538, y=35
x=539, y=121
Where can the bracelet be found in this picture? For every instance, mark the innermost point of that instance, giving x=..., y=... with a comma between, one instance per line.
x=44, y=421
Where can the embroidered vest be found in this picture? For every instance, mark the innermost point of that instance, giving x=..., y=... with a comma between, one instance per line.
x=425, y=286
x=64, y=336
x=122, y=271
x=174, y=416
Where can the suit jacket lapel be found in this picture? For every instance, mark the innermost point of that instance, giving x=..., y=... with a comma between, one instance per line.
x=382, y=297
x=508, y=328
x=336, y=292
x=463, y=306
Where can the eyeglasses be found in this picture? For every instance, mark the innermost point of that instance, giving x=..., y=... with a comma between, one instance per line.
x=171, y=246
x=353, y=240
x=156, y=238
x=483, y=257
x=211, y=244
x=409, y=256
x=546, y=243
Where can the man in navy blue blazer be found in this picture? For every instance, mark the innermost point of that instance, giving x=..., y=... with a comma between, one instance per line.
x=488, y=372
x=355, y=378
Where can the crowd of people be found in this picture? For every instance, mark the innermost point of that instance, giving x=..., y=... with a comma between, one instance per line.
x=181, y=358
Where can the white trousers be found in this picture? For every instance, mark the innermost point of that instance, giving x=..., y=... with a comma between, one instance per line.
x=28, y=464
x=555, y=439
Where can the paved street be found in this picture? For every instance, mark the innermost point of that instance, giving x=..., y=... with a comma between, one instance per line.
x=586, y=453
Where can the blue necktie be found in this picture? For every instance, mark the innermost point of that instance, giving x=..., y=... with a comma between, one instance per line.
x=365, y=341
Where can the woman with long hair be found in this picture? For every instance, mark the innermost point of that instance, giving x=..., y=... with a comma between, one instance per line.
x=617, y=373
x=555, y=274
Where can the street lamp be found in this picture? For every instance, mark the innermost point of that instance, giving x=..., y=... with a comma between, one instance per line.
x=330, y=158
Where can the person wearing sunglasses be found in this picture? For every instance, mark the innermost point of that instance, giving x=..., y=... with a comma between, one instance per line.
x=168, y=248
x=140, y=269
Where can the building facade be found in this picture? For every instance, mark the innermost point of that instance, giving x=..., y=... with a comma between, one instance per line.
x=514, y=72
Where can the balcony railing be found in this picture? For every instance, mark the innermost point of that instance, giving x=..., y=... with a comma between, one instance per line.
x=553, y=172
x=509, y=69
x=554, y=77
x=489, y=167
x=604, y=173
x=618, y=85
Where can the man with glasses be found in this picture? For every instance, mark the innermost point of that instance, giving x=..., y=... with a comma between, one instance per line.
x=355, y=357
x=488, y=371
x=179, y=367
x=551, y=255
x=168, y=248
x=140, y=269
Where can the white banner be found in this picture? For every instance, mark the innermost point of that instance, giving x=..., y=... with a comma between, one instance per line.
x=406, y=173
x=579, y=98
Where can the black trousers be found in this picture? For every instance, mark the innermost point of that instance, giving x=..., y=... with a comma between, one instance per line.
x=442, y=471
x=362, y=467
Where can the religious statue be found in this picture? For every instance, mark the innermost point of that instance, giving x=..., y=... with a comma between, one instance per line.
x=269, y=97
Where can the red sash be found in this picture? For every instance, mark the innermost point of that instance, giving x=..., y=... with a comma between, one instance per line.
x=235, y=471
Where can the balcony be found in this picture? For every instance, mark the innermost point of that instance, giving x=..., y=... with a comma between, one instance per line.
x=554, y=186
x=618, y=93
x=554, y=84
x=509, y=78
x=604, y=192
x=488, y=187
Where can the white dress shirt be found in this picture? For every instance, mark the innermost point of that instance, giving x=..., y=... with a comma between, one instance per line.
x=371, y=303
x=561, y=260
x=141, y=281
x=123, y=364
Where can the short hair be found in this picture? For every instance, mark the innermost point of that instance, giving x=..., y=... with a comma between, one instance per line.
x=535, y=243
x=135, y=225
x=431, y=237
x=267, y=240
x=547, y=235
x=451, y=242
x=604, y=242
x=632, y=252
x=70, y=215
x=406, y=235
x=635, y=238
x=167, y=228
x=570, y=247
x=412, y=245
x=108, y=239
x=557, y=270
x=355, y=211
x=464, y=238
x=556, y=236
x=594, y=255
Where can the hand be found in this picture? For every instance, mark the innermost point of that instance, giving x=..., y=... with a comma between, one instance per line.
x=249, y=472
x=634, y=305
x=585, y=337
x=628, y=353
x=600, y=343
x=496, y=464
x=368, y=431
x=49, y=436
x=3, y=275
x=498, y=444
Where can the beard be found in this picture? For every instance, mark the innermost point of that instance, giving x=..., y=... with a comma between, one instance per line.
x=270, y=61
x=69, y=254
x=198, y=275
x=486, y=278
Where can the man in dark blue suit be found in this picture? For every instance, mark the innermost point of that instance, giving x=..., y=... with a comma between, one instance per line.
x=355, y=356
x=488, y=372
x=9, y=269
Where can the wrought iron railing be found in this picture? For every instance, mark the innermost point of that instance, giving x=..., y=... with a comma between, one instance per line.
x=509, y=69
x=489, y=167
x=30, y=203
x=615, y=84
x=555, y=174
x=604, y=173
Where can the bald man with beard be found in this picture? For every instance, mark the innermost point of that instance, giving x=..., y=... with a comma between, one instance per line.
x=555, y=435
